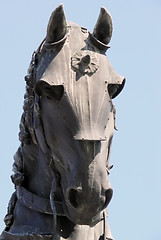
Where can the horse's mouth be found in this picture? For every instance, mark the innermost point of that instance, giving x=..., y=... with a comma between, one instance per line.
x=91, y=222
x=83, y=216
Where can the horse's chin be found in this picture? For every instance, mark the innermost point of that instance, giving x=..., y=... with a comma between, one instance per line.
x=90, y=222
x=82, y=218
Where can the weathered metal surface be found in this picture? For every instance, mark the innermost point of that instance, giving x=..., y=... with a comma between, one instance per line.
x=61, y=168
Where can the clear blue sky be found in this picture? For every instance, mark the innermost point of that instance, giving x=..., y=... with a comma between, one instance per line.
x=135, y=210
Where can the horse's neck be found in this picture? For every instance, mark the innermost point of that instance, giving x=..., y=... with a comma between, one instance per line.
x=33, y=173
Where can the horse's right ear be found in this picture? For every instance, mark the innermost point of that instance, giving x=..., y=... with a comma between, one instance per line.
x=57, y=26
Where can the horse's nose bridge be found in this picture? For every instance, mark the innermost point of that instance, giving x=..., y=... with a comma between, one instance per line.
x=91, y=147
x=92, y=161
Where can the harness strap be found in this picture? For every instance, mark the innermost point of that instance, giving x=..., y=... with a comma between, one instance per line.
x=106, y=230
x=11, y=236
x=36, y=203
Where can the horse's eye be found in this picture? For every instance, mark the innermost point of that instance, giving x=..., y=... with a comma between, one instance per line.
x=52, y=92
x=115, y=89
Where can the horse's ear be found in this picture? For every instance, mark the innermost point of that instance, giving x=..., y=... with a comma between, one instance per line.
x=57, y=26
x=103, y=28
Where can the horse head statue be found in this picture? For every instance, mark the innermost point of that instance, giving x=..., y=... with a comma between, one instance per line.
x=62, y=165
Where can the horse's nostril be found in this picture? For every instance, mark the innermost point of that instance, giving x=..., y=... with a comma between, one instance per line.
x=72, y=197
x=108, y=195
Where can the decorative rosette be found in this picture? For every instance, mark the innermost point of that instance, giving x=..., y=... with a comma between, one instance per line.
x=85, y=63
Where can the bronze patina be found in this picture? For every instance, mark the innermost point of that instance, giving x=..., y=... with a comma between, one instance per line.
x=61, y=168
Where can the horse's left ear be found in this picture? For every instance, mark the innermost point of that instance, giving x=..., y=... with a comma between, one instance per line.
x=104, y=27
x=57, y=26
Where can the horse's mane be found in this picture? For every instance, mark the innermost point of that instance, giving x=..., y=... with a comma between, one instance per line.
x=26, y=133
x=26, y=127
x=30, y=107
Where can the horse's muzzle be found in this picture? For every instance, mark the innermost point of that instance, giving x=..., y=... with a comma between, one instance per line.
x=87, y=209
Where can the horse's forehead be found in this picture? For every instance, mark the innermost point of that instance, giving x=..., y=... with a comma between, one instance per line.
x=65, y=64
x=64, y=69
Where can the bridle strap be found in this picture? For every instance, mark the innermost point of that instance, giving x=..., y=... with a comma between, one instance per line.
x=36, y=203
